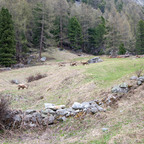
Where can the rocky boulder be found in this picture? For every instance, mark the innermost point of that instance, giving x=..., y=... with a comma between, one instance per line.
x=95, y=60
x=141, y=79
x=123, y=88
x=134, y=78
x=77, y=106
x=54, y=107
x=62, y=112
x=43, y=59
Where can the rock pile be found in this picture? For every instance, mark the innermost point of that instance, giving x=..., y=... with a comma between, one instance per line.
x=52, y=114
x=140, y=80
x=123, y=88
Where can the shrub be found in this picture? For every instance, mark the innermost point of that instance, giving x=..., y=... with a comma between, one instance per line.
x=4, y=112
x=139, y=72
x=36, y=77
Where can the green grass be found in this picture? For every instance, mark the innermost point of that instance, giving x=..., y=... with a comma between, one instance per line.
x=107, y=72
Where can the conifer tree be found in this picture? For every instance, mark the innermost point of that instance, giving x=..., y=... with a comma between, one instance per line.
x=122, y=49
x=140, y=38
x=75, y=33
x=7, y=38
x=96, y=36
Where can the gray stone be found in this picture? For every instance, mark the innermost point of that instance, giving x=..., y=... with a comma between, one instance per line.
x=48, y=105
x=62, y=118
x=95, y=60
x=77, y=111
x=33, y=119
x=141, y=79
x=116, y=89
x=57, y=107
x=30, y=111
x=68, y=114
x=38, y=118
x=44, y=115
x=133, y=78
x=32, y=125
x=69, y=109
x=36, y=114
x=124, y=85
x=27, y=118
x=48, y=120
x=46, y=111
x=77, y=105
x=85, y=104
x=93, y=103
x=110, y=99
x=120, y=89
x=17, y=118
x=94, y=110
x=71, y=112
x=100, y=108
x=139, y=82
x=104, y=129
x=62, y=112
x=43, y=59
x=51, y=119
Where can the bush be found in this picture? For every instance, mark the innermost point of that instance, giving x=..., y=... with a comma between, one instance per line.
x=36, y=77
x=139, y=72
x=4, y=112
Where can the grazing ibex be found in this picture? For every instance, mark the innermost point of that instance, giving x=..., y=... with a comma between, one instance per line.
x=73, y=64
x=61, y=64
x=22, y=86
x=138, y=56
x=84, y=63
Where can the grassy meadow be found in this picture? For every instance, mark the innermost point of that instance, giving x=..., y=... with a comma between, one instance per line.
x=66, y=85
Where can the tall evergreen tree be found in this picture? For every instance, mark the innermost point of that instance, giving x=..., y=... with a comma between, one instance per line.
x=122, y=49
x=140, y=38
x=7, y=38
x=75, y=33
x=96, y=37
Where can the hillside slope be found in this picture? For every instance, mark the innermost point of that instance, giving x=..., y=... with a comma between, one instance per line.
x=66, y=85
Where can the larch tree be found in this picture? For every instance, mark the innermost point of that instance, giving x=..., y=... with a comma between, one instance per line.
x=42, y=25
x=61, y=13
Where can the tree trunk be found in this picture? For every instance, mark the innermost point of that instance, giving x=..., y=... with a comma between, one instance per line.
x=41, y=38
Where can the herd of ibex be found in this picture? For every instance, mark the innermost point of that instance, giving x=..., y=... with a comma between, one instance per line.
x=73, y=64
x=23, y=86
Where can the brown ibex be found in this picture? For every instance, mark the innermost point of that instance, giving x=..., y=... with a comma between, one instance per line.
x=22, y=86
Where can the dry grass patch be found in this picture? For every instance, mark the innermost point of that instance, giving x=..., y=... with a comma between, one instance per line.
x=36, y=77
